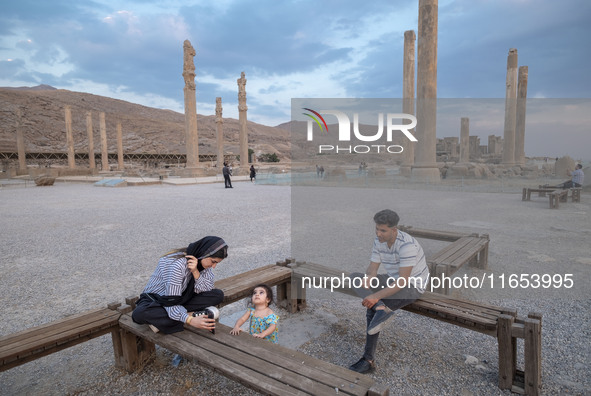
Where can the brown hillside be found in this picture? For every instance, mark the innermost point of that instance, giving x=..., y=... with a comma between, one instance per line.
x=145, y=129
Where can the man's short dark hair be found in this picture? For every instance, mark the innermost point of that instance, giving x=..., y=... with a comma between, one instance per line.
x=387, y=217
x=579, y=166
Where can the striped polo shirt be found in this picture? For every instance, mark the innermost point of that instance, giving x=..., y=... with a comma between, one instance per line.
x=171, y=277
x=405, y=252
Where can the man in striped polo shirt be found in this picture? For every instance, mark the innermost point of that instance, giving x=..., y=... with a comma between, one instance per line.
x=407, y=276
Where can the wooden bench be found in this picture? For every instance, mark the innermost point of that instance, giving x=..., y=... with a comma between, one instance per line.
x=39, y=341
x=498, y=322
x=526, y=194
x=465, y=248
x=448, y=236
x=557, y=196
x=576, y=194
x=258, y=364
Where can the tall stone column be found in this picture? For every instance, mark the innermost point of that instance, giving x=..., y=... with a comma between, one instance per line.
x=408, y=97
x=465, y=140
x=20, y=143
x=510, y=109
x=104, y=148
x=219, y=121
x=520, y=116
x=120, y=165
x=242, y=121
x=70, y=138
x=91, y=161
x=425, y=167
x=191, y=136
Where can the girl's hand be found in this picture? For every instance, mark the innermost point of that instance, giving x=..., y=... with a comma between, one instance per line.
x=192, y=265
x=258, y=335
x=235, y=331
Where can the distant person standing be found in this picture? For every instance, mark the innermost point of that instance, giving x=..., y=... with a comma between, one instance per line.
x=227, y=172
x=253, y=173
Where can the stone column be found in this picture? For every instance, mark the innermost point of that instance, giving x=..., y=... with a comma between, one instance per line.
x=70, y=138
x=510, y=109
x=20, y=142
x=220, y=135
x=91, y=161
x=120, y=165
x=104, y=149
x=464, y=140
x=520, y=116
x=408, y=97
x=191, y=136
x=425, y=167
x=242, y=121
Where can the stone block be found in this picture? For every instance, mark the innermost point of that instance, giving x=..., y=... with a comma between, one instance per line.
x=44, y=180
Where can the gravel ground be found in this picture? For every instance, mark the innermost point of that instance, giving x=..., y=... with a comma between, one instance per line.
x=72, y=247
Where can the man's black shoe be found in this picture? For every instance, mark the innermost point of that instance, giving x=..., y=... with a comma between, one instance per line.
x=363, y=366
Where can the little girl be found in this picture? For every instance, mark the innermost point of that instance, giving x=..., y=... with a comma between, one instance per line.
x=263, y=322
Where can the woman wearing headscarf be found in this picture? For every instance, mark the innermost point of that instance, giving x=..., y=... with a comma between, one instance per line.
x=182, y=286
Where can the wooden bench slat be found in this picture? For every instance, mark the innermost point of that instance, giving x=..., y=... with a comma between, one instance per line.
x=492, y=312
x=449, y=236
x=60, y=334
x=240, y=286
x=464, y=252
x=476, y=310
x=455, y=313
x=69, y=319
x=450, y=250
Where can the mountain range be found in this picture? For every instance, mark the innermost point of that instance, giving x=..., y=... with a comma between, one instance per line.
x=145, y=129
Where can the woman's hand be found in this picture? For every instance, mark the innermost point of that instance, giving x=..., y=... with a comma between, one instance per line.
x=202, y=322
x=192, y=266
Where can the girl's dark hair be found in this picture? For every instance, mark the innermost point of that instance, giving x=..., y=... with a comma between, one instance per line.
x=267, y=289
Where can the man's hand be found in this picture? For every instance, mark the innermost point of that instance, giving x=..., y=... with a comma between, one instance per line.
x=369, y=301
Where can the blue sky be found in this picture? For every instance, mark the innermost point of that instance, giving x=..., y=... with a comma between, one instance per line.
x=132, y=50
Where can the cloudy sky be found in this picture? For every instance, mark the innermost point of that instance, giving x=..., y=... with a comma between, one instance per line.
x=132, y=50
